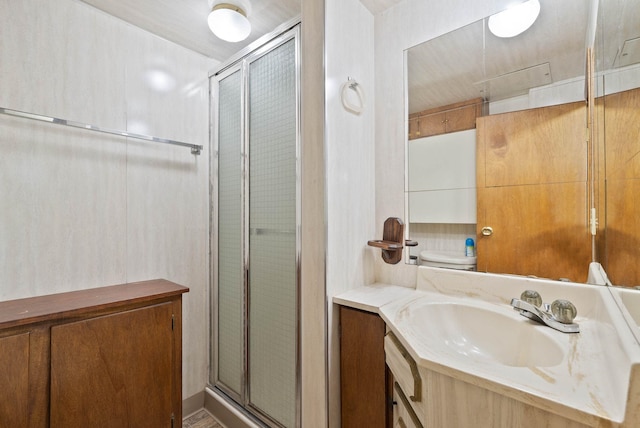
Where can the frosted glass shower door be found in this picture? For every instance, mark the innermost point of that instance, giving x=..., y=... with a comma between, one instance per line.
x=230, y=320
x=272, y=233
x=255, y=233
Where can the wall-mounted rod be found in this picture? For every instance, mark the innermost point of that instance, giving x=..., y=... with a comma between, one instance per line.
x=195, y=149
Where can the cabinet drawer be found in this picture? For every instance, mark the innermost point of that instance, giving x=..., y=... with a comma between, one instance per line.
x=405, y=373
x=403, y=414
x=403, y=367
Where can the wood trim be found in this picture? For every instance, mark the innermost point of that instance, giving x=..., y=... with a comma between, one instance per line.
x=15, y=313
x=176, y=389
x=448, y=107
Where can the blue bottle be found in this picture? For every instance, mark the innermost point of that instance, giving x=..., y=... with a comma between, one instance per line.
x=470, y=249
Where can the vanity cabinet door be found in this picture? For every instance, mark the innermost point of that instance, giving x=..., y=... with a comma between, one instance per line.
x=113, y=371
x=363, y=377
x=14, y=381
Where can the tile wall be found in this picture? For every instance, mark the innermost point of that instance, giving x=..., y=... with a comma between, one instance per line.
x=80, y=209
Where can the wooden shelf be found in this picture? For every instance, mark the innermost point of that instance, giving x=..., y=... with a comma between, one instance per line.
x=385, y=245
x=52, y=307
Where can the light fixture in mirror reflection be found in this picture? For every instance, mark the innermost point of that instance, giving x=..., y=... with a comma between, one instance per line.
x=471, y=62
x=514, y=20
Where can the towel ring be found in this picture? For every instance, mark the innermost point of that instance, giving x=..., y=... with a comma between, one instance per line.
x=355, y=86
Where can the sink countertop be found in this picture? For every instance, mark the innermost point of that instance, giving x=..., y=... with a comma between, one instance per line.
x=628, y=300
x=598, y=379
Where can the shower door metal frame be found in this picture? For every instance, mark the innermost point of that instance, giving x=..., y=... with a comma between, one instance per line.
x=243, y=400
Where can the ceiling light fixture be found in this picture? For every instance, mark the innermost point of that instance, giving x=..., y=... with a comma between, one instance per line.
x=514, y=20
x=229, y=22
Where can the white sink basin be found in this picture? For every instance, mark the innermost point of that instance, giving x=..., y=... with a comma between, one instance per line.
x=482, y=334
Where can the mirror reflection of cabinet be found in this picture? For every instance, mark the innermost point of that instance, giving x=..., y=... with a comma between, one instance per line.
x=532, y=192
x=441, y=120
x=616, y=116
x=620, y=247
x=442, y=178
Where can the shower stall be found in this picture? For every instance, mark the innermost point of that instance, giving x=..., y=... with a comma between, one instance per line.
x=255, y=230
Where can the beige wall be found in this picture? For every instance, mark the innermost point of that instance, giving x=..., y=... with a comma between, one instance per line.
x=79, y=209
x=350, y=177
x=313, y=338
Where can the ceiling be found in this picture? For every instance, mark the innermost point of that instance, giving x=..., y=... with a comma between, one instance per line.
x=471, y=62
x=185, y=21
x=377, y=6
x=553, y=48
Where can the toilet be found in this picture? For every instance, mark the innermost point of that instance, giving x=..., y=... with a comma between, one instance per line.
x=448, y=259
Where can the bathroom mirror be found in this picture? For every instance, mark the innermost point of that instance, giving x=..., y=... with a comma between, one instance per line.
x=616, y=83
x=464, y=64
x=543, y=66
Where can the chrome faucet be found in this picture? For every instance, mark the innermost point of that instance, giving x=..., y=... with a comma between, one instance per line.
x=559, y=315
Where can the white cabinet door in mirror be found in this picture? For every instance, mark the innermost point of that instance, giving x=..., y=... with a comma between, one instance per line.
x=442, y=178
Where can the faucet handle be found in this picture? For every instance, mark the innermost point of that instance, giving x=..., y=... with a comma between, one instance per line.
x=563, y=311
x=532, y=297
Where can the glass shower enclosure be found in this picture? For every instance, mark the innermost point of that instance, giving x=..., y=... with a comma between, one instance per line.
x=255, y=229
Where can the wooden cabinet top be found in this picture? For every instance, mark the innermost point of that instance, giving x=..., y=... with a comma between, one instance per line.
x=14, y=313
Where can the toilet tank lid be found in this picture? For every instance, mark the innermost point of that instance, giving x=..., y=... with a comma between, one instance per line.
x=453, y=257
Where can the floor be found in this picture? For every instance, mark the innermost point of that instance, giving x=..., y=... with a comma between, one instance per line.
x=200, y=419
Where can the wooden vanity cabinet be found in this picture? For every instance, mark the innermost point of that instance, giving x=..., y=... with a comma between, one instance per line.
x=104, y=357
x=441, y=120
x=365, y=383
